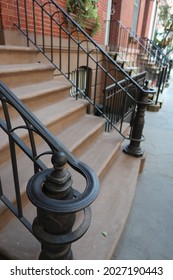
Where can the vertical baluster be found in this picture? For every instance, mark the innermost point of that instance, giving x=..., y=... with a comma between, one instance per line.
x=42, y=20
x=1, y=190
x=33, y=145
x=18, y=14
x=51, y=32
x=95, y=84
x=13, y=160
x=60, y=49
x=77, y=65
x=34, y=22
x=26, y=22
x=69, y=56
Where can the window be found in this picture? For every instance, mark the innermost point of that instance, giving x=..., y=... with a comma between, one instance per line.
x=79, y=78
x=135, y=16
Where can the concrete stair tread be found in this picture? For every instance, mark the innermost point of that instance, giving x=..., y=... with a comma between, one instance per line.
x=17, y=48
x=59, y=109
x=12, y=68
x=102, y=152
x=40, y=89
x=116, y=193
x=17, y=54
x=84, y=129
x=15, y=75
x=51, y=113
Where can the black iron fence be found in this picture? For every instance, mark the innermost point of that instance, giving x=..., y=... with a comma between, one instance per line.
x=118, y=105
x=81, y=51
x=159, y=55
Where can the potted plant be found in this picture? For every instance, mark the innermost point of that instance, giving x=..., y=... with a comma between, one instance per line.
x=85, y=13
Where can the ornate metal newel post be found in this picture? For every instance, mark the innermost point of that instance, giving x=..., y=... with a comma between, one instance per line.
x=136, y=136
x=50, y=191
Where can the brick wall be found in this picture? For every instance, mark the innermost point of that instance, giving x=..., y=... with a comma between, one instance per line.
x=146, y=18
x=8, y=14
x=141, y=17
x=127, y=12
x=102, y=11
x=124, y=13
x=116, y=6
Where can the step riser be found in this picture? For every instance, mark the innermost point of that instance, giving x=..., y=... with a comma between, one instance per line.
x=16, y=57
x=46, y=99
x=84, y=145
x=40, y=101
x=54, y=127
x=107, y=164
x=16, y=79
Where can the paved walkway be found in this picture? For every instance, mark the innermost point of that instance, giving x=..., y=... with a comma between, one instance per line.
x=149, y=231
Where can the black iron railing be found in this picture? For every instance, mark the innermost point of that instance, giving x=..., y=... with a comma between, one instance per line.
x=139, y=54
x=80, y=50
x=122, y=44
x=159, y=55
x=50, y=190
x=155, y=50
x=119, y=105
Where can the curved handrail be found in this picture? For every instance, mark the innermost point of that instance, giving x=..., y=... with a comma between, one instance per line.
x=92, y=182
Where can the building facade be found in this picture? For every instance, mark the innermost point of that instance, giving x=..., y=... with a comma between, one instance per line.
x=8, y=19
x=134, y=14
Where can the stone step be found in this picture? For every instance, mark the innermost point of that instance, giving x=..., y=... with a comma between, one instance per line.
x=109, y=214
x=40, y=95
x=87, y=129
x=55, y=117
x=15, y=55
x=16, y=75
x=102, y=153
x=110, y=210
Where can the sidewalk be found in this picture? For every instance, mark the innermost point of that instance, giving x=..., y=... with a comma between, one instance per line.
x=148, y=234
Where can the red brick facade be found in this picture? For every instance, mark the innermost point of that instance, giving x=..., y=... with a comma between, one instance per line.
x=124, y=13
x=8, y=15
x=121, y=10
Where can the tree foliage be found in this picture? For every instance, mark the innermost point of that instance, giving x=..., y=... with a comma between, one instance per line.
x=84, y=9
x=164, y=37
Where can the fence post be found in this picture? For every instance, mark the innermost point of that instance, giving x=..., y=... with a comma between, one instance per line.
x=51, y=227
x=136, y=135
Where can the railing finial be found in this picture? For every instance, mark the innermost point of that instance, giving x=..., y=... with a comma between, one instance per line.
x=50, y=227
x=47, y=190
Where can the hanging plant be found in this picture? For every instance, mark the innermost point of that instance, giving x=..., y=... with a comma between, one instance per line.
x=83, y=10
